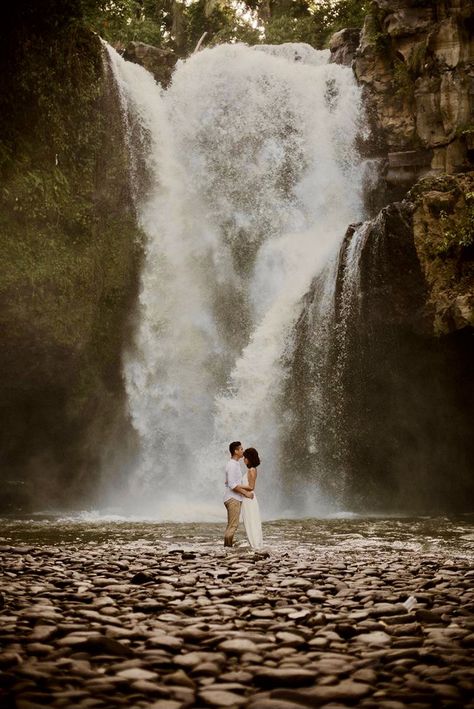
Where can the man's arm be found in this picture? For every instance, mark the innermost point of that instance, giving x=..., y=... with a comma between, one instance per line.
x=235, y=478
x=242, y=490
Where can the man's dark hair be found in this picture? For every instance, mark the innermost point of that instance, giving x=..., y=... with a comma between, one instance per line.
x=252, y=457
x=233, y=446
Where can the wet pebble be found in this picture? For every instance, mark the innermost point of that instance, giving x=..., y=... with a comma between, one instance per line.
x=169, y=628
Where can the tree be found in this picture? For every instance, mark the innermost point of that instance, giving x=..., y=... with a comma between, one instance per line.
x=178, y=25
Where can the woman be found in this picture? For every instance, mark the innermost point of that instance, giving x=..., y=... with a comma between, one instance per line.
x=250, y=508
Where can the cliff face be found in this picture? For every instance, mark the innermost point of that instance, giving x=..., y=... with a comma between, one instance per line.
x=415, y=61
x=394, y=391
x=69, y=253
x=443, y=234
x=408, y=390
x=382, y=392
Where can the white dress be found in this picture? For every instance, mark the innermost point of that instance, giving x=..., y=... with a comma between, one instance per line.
x=251, y=519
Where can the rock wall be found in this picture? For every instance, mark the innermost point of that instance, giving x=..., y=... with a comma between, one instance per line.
x=415, y=61
x=443, y=234
x=70, y=253
x=408, y=389
x=382, y=394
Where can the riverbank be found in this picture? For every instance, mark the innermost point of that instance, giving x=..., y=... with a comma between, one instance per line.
x=102, y=621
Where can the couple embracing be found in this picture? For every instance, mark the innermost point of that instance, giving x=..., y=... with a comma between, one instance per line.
x=240, y=495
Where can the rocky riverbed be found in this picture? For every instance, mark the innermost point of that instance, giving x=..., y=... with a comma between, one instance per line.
x=111, y=614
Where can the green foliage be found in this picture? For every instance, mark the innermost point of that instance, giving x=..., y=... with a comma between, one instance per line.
x=180, y=25
x=418, y=58
x=459, y=235
x=467, y=130
x=374, y=30
x=220, y=22
x=403, y=82
x=122, y=21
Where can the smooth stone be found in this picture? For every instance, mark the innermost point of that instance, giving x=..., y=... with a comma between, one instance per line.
x=104, y=645
x=8, y=659
x=184, y=694
x=136, y=673
x=189, y=659
x=168, y=642
x=219, y=698
x=179, y=678
x=267, y=703
x=284, y=677
x=206, y=669
x=377, y=637
x=248, y=598
x=380, y=609
x=39, y=649
x=146, y=687
x=238, y=646
x=140, y=578
x=42, y=632
x=428, y=617
x=347, y=690
x=365, y=674
x=290, y=638
x=237, y=676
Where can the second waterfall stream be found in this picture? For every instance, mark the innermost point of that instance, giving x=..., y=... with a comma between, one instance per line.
x=252, y=177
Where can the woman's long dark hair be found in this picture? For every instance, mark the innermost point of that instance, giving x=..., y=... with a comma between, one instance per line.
x=252, y=456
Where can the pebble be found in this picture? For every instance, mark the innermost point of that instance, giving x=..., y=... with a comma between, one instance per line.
x=283, y=677
x=135, y=624
x=238, y=646
x=220, y=698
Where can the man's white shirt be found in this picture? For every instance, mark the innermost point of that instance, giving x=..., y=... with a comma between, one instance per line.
x=233, y=477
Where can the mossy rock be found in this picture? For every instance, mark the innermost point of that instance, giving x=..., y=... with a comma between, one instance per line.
x=70, y=251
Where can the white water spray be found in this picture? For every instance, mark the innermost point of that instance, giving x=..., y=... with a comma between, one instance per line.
x=254, y=180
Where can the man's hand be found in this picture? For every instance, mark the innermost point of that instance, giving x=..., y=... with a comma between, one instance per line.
x=248, y=494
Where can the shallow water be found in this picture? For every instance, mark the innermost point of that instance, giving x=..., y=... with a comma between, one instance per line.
x=453, y=536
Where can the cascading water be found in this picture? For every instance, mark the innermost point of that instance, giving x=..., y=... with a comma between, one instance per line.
x=254, y=177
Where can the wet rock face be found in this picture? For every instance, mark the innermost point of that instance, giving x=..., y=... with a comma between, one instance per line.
x=407, y=392
x=416, y=63
x=343, y=46
x=388, y=406
x=419, y=258
x=443, y=234
x=300, y=629
x=160, y=62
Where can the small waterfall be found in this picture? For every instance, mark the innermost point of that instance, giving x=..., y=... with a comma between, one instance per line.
x=253, y=178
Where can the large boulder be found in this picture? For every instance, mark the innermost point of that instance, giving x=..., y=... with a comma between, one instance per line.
x=159, y=62
x=343, y=46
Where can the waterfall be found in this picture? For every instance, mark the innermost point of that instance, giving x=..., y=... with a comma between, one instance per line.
x=253, y=176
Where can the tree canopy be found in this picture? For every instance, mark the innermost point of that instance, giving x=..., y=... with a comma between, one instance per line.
x=178, y=25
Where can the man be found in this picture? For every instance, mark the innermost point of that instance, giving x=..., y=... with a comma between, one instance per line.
x=234, y=491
